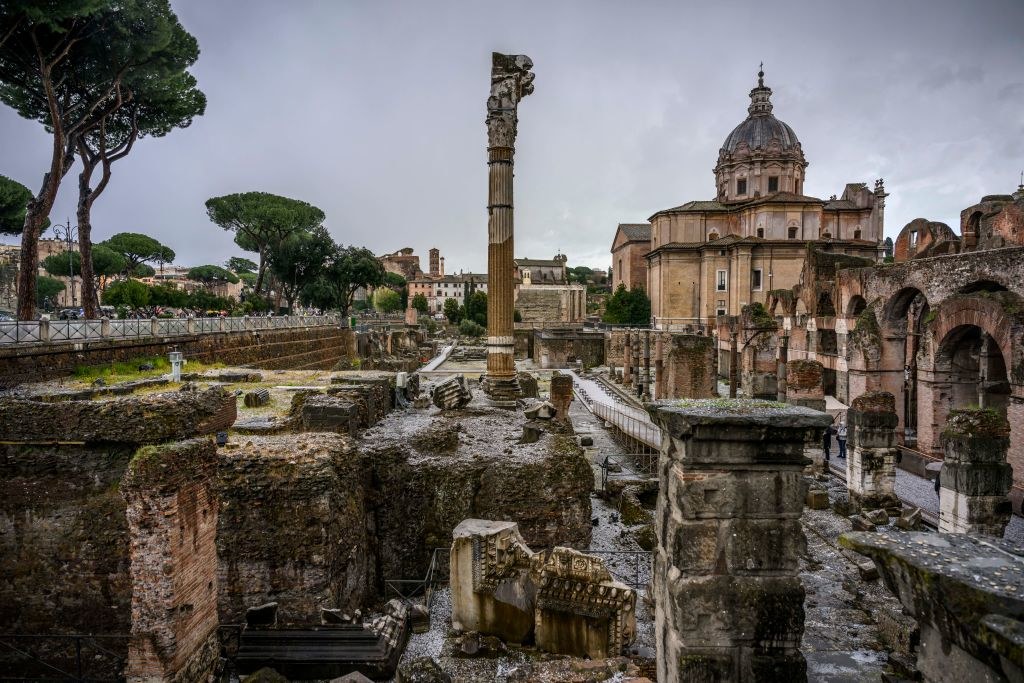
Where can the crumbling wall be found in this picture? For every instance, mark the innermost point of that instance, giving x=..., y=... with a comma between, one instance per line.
x=294, y=526
x=691, y=367
x=172, y=520
x=430, y=478
x=64, y=539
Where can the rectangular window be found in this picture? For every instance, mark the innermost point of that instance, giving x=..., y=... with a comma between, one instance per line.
x=721, y=281
x=720, y=310
x=755, y=279
x=741, y=186
x=773, y=183
x=913, y=238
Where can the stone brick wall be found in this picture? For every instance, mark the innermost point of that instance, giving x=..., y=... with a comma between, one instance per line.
x=314, y=348
x=690, y=367
x=64, y=540
x=293, y=526
x=563, y=348
x=172, y=521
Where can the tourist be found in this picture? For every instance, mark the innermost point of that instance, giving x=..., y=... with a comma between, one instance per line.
x=826, y=442
x=841, y=437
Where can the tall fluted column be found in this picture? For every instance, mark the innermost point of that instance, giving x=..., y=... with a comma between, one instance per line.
x=511, y=80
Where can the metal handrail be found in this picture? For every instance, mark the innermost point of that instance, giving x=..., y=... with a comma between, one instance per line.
x=52, y=331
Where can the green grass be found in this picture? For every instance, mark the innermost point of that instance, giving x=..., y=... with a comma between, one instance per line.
x=129, y=370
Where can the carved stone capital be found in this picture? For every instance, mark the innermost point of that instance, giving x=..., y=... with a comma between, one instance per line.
x=511, y=81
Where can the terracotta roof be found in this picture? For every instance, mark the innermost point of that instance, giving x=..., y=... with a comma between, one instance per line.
x=836, y=204
x=636, y=231
x=551, y=263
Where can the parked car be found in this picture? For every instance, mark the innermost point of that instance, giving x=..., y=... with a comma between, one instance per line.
x=70, y=314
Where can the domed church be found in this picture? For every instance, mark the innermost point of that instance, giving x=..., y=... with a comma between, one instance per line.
x=712, y=257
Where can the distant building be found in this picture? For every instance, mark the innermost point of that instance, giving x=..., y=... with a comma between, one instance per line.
x=712, y=257
x=629, y=255
x=542, y=271
x=437, y=290
x=403, y=262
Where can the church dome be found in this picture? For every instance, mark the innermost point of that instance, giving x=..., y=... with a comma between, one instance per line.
x=760, y=127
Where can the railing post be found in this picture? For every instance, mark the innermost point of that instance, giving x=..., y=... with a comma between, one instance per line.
x=190, y=325
x=44, y=330
x=154, y=327
x=246, y=322
x=104, y=327
x=220, y=324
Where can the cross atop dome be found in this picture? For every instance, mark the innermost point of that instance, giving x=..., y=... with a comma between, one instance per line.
x=760, y=97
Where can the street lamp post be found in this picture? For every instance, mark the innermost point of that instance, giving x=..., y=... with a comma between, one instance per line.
x=69, y=234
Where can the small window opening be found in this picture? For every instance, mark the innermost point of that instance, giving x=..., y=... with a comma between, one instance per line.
x=741, y=186
x=773, y=183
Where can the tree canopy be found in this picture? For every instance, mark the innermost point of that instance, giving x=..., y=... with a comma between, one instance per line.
x=211, y=274
x=476, y=308
x=387, y=300
x=348, y=269
x=628, y=307
x=299, y=259
x=420, y=303
x=105, y=262
x=137, y=248
x=261, y=221
x=14, y=197
x=130, y=293
x=453, y=311
x=67, y=65
x=47, y=290
x=239, y=265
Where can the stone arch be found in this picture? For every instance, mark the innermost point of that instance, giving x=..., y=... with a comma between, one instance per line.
x=896, y=308
x=982, y=286
x=988, y=314
x=824, y=305
x=856, y=305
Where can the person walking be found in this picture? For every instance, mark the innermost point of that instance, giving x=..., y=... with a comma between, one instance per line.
x=841, y=437
x=826, y=442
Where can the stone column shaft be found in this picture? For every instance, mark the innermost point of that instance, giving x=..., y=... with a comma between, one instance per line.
x=500, y=276
x=975, y=477
x=871, y=451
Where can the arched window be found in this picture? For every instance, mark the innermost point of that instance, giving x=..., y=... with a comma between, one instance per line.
x=760, y=232
x=856, y=234
x=792, y=233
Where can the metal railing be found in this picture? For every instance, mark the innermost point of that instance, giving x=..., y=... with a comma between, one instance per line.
x=55, y=331
x=411, y=591
x=631, y=567
x=72, y=657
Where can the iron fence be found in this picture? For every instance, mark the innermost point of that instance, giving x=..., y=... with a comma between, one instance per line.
x=42, y=331
x=72, y=657
x=412, y=590
x=631, y=567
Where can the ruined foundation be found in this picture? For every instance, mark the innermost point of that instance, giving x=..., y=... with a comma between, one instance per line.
x=804, y=388
x=728, y=601
x=975, y=477
x=691, y=367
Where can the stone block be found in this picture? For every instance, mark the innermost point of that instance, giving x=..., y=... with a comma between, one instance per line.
x=817, y=499
x=452, y=394
x=877, y=517
x=256, y=398
x=322, y=413
x=861, y=523
x=909, y=520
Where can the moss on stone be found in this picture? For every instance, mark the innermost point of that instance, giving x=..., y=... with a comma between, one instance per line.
x=976, y=422
x=757, y=317
x=734, y=406
x=867, y=331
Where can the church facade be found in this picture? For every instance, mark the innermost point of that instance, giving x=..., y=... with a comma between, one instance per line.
x=710, y=258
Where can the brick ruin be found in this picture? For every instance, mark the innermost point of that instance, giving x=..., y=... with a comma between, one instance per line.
x=662, y=364
x=128, y=521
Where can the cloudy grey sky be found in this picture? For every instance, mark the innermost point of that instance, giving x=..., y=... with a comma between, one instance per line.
x=374, y=112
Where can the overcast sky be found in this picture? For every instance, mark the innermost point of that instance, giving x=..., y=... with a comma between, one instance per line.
x=374, y=111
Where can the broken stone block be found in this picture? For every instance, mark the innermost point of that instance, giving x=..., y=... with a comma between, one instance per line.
x=256, y=398
x=500, y=587
x=262, y=615
x=842, y=506
x=329, y=615
x=817, y=499
x=561, y=395
x=322, y=413
x=861, y=523
x=354, y=677
x=966, y=594
x=871, y=455
x=877, y=517
x=867, y=570
x=422, y=670
x=540, y=411
x=631, y=511
x=909, y=520
x=532, y=432
x=452, y=394
x=419, y=618
x=975, y=476
x=586, y=441
x=265, y=675
x=528, y=384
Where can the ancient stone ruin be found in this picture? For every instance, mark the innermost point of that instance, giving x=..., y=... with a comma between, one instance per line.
x=975, y=476
x=871, y=454
x=728, y=599
x=564, y=600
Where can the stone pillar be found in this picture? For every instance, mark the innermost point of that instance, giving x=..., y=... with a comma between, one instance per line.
x=511, y=80
x=637, y=368
x=172, y=523
x=728, y=598
x=647, y=366
x=659, y=365
x=871, y=451
x=781, y=368
x=627, y=360
x=975, y=477
x=561, y=395
x=804, y=388
x=734, y=361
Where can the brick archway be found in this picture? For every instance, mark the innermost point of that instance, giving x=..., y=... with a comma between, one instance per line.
x=986, y=313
